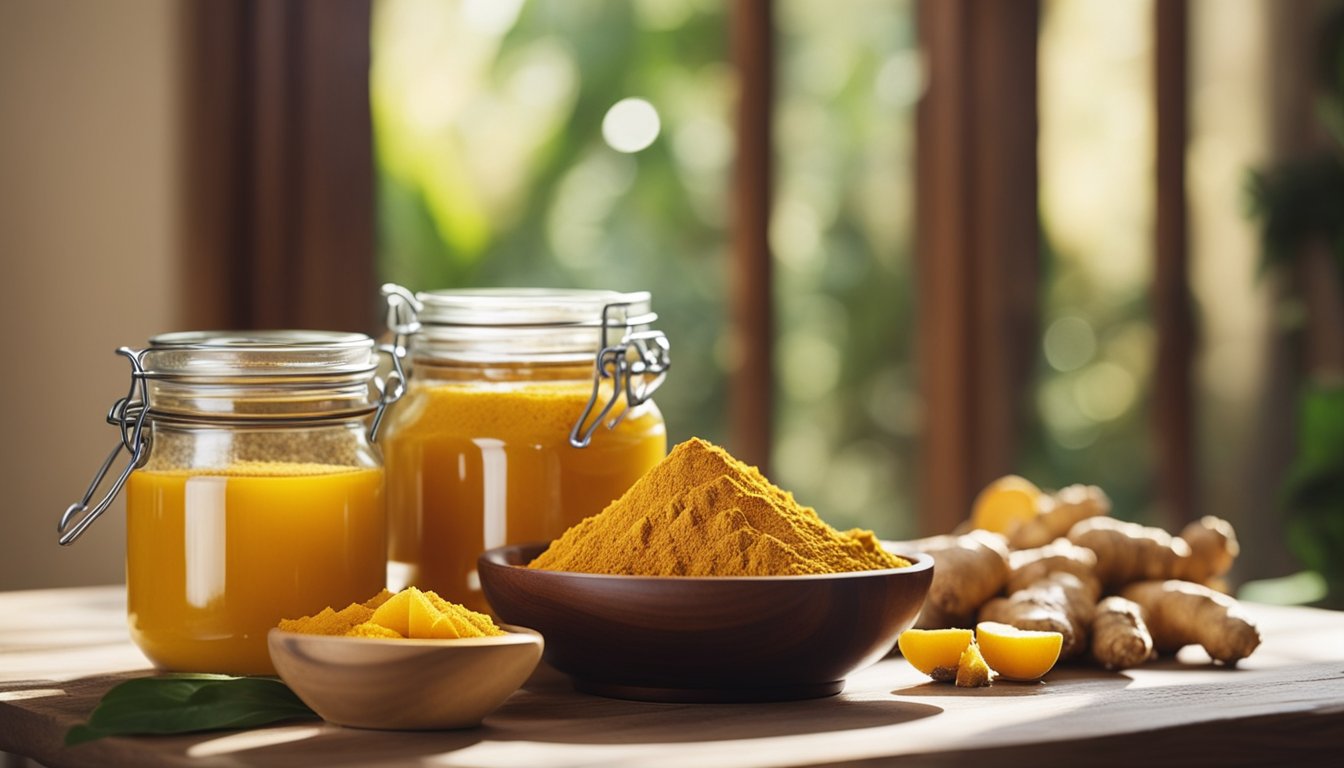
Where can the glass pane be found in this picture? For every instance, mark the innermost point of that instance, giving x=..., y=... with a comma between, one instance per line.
x=1097, y=164
x=849, y=76
x=563, y=143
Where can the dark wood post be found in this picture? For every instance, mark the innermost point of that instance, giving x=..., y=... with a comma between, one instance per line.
x=978, y=243
x=279, y=222
x=752, y=383
x=1173, y=405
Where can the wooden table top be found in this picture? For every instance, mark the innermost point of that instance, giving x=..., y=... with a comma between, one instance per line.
x=60, y=650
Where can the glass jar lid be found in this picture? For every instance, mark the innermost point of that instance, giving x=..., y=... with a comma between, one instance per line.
x=533, y=307
x=220, y=356
x=259, y=376
x=514, y=325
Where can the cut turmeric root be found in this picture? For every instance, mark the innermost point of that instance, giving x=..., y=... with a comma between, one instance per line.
x=935, y=652
x=972, y=671
x=1005, y=504
x=1018, y=654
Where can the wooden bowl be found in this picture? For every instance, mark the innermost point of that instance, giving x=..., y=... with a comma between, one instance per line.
x=405, y=684
x=762, y=638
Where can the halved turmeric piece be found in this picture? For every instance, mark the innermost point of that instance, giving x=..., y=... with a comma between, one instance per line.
x=1018, y=654
x=935, y=652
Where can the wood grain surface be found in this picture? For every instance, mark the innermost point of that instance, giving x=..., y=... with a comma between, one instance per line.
x=61, y=649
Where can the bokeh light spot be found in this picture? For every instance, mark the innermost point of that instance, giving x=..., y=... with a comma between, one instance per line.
x=1069, y=343
x=1105, y=391
x=630, y=125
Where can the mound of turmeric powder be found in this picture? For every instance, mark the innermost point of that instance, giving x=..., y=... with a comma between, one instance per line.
x=409, y=613
x=701, y=512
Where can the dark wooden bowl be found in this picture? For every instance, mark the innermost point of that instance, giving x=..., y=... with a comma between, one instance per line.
x=763, y=638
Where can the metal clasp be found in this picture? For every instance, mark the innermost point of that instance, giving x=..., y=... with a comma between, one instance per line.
x=128, y=414
x=403, y=319
x=390, y=387
x=637, y=366
x=403, y=315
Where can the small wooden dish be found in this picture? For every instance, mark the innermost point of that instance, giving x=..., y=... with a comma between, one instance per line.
x=405, y=684
x=763, y=638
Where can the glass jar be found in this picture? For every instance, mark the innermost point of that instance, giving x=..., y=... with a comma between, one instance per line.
x=253, y=492
x=526, y=410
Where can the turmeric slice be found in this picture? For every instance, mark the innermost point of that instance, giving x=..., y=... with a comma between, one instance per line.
x=935, y=652
x=1018, y=654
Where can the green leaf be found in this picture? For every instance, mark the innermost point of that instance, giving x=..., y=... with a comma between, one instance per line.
x=1322, y=425
x=187, y=703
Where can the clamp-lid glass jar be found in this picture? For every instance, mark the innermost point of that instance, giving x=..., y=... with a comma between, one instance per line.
x=253, y=489
x=526, y=411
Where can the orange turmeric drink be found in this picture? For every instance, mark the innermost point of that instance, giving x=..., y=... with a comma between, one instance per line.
x=216, y=557
x=477, y=461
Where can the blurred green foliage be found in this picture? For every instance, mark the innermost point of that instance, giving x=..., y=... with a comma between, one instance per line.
x=1297, y=203
x=1314, y=489
x=1069, y=440
x=492, y=171
x=848, y=416
x=1087, y=417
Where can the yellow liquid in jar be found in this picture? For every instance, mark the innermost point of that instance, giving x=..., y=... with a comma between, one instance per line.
x=471, y=467
x=215, y=558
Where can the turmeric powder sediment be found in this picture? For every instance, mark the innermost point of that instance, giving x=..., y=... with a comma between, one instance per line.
x=409, y=613
x=701, y=512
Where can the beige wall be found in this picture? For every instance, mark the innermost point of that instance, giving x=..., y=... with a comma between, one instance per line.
x=88, y=164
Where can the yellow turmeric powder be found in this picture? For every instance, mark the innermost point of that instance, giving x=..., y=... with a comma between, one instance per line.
x=701, y=512
x=409, y=613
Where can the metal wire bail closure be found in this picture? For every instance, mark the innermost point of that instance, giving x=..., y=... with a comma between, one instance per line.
x=403, y=315
x=390, y=387
x=637, y=366
x=403, y=319
x=128, y=414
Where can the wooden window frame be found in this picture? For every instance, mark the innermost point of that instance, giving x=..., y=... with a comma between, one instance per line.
x=1172, y=411
x=751, y=386
x=977, y=246
x=279, y=229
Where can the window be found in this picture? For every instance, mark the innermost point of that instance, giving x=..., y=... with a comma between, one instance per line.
x=564, y=144
x=951, y=344
x=502, y=161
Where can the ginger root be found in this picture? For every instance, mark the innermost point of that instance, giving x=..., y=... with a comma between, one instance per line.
x=1129, y=552
x=1047, y=559
x=1213, y=547
x=967, y=570
x=1180, y=613
x=1120, y=638
x=1058, y=513
x=1061, y=555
